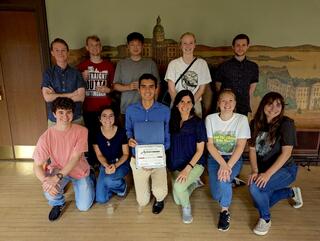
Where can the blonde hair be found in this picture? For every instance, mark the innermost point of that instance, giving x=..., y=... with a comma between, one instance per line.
x=227, y=91
x=187, y=34
x=223, y=92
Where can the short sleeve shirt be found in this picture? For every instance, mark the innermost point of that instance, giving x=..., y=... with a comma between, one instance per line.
x=128, y=71
x=184, y=144
x=267, y=153
x=197, y=75
x=111, y=148
x=226, y=133
x=58, y=146
x=61, y=81
x=100, y=74
x=238, y=76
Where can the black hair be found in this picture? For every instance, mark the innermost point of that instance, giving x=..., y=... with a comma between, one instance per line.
x=148, y=76
x=175, y=118
x=135, y=36
x=114, y=109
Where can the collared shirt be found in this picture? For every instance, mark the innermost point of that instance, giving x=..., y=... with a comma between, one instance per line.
x=63, y=81
x=238, y=76
x=156, y=113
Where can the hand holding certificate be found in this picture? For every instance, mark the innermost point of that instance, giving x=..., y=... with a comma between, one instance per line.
x=150, y=156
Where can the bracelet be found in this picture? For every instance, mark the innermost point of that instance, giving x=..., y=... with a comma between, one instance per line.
x=190, y=165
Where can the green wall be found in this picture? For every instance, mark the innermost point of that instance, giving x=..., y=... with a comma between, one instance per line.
x=215, y=22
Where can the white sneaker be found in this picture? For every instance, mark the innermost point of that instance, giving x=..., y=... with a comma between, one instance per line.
x=186, y=214
x=262, y=227
x=297, y=197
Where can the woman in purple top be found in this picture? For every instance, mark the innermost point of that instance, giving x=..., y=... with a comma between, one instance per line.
x=188, y=137
x=112, y=152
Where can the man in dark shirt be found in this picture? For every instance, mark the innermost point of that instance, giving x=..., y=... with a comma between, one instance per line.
x=61, y=80
x=239, y=74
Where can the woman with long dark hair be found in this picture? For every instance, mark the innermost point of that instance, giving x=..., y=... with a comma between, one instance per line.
x=273, y=168
x=186, y=160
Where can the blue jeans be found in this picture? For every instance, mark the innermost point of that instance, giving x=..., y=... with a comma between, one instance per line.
x=275, y=190
x=83, y=189
x=108, y=184
x=222, y=190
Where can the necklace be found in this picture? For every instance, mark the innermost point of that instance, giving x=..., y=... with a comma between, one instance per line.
x=109, y=134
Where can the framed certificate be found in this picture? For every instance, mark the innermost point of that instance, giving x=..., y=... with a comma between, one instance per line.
x=150, y=156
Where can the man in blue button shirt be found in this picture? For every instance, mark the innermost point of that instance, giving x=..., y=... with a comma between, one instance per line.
x=61, y=80
x=148, y=110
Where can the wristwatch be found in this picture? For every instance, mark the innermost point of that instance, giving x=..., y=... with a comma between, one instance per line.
x=59, y=175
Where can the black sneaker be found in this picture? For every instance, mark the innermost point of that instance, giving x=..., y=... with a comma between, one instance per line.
x=56, y=212
x=157, y=207
x=224, y=221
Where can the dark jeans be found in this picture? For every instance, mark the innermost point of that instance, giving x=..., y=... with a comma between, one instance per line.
x=277, y=188
x=109, y=184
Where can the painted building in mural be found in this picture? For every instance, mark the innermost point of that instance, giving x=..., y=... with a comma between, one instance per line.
x=307, y=97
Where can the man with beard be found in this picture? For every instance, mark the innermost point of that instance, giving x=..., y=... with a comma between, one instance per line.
x=239, y=74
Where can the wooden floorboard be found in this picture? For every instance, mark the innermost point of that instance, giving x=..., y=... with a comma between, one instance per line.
x=24, y=211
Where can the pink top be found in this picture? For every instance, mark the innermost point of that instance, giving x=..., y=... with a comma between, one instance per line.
x=59, y=146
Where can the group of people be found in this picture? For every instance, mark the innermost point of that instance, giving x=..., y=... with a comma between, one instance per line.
x=67, y=150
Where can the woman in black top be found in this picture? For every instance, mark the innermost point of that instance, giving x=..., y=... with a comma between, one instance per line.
x=273, y=168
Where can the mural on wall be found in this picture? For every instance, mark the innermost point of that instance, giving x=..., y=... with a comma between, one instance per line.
x=292, y=71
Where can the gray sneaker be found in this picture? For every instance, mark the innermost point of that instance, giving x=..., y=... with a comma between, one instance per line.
x=186, y=214
x=297, y=198
x=262, y=227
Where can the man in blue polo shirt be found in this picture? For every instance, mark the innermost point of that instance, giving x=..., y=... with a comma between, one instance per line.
x=148, y=110
x=61, y=80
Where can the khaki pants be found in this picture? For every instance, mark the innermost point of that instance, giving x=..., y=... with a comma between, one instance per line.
x=141, y=177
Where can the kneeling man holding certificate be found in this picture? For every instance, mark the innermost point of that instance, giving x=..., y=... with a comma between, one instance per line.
x=147, y=124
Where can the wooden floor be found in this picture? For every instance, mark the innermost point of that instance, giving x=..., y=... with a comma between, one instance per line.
x=24, y=212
